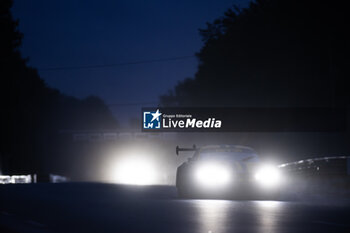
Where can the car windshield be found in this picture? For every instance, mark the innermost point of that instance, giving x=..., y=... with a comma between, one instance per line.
x=235, y=154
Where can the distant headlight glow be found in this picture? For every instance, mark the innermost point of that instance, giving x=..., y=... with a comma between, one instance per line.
x=212, y=175
x=136, y=171
x=268, y=176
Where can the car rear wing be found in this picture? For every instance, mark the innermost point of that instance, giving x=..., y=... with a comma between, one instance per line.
x=178, y=149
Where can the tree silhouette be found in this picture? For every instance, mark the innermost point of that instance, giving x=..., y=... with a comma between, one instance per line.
x=32, y=113
x=273, y=53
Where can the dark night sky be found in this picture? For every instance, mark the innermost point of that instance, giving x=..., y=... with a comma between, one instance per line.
x=73, y=33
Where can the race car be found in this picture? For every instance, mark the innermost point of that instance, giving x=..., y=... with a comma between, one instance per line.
x=227, y=171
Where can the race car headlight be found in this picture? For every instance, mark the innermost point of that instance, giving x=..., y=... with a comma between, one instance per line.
x=268, y=176
x=135, y=171
x=212, y=175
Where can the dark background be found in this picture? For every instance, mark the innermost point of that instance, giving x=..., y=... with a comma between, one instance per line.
x=84, y=33
x=270, y=54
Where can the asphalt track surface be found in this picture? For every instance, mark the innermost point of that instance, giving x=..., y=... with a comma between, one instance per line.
x=98, y=207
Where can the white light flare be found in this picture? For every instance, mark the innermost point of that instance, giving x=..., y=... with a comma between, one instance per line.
x=212, y=175
x=135, y=171
x=268, y=176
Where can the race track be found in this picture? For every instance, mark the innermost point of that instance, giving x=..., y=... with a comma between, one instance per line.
x=98, y=207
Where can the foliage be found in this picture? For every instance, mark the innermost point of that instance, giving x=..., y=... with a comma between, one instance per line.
x=273, y=53
x=32, y=114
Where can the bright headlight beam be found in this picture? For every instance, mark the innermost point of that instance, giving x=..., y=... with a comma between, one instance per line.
x=212, y=175
x=268, y=175
x=135, y=171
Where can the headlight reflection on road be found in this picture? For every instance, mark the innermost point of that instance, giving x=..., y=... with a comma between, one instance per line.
x=269, y=213
x=218, y=216
x=213, y=215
